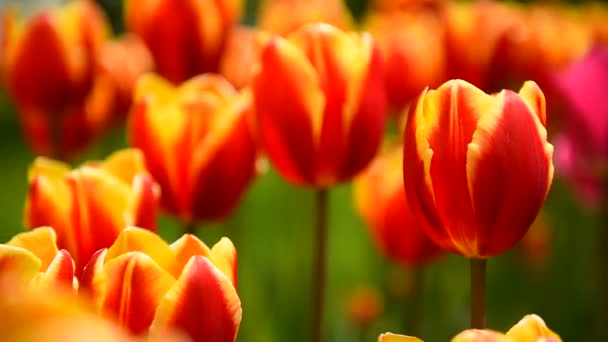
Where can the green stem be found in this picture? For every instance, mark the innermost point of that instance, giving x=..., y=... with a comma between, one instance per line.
x=320, y=263
x=478, y=293
x=602, y=263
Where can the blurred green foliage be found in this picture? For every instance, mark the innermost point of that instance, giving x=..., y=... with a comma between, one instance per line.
x=272, y=231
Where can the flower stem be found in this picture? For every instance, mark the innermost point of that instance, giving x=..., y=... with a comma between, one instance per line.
x=413, y=303
x=478, y=293
x=602, y=262
x=320, y=263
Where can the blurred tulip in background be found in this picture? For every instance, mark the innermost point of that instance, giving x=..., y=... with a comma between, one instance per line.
x=198, y=142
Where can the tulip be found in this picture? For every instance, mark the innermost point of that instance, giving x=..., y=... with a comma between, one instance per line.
x=33, y=258
x=477, y=170
x=90, y=205
x=145, y=284
x=478, y=167
x=380, y=199
x=53, y=94
x=583, y=145
x=413, y=51
x=197, y=142
x=241, y=55
x=186, y=38
x=475, y=335
x=284, y=16
x=69, y=39
x=320, y=104
x=389, y=337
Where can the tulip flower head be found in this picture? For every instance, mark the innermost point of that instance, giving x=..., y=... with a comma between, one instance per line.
x=33, y=257
x=477, y=167
x=146, y=285
x=90, y=205
x=320, y=104
x=380, y=199
x=389, y=337
x=185, y=37
x=197, y=141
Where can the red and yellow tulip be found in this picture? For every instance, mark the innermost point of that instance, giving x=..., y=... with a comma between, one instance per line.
x=186, y=37
x=241, y=55
x=380, y=199
x=33, y=257
x=68, y=38
x=477, y=167
x=147, y=285
x=531, y=328
x=197, y=141
x=90, y=205
x=320, y=104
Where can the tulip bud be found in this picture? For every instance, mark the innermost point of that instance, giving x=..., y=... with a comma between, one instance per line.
x=185, y=37
x=477, y=167
x=320, y=104
x=90, y=205
x=197, y=141
x=146, y=285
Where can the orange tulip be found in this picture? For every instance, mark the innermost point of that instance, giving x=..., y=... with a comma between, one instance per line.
x=477, y=167
x=413, y=51
x=186, y=37
x=320, y=104
x=33, y=257
x=90, y=205
x=53, y=93
x=197, y=142
x=475, y=335
x=284, y=16
x=380, y=199
x=147, y=285
x=388, y=337
x=47, y=61
x=241, y=55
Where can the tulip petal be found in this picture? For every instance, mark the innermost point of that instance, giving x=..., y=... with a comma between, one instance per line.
x=474, y=335
x=389, y=337
x=532, y=328
x=202, y=303
x=133, y=239
x=18, y=263
x=40, y=241
x=144, y=202
x=535, y=99
x=185, y=248
x=289, y=107
x=509, y=173
x=133, y=285
x=125, y=164
x=59, y=272
x=224, y=257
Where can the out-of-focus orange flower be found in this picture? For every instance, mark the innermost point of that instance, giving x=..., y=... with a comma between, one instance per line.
x=53, y=94
x=531, y=328
x=413, y=50
x=241, y=55
x=380, y=199
x=33, y=257
x=121, y=62
x=197, y=141
x=477, y=167
x=411, y=6
x=90, y=205
x=534, y=250
x=47, y=60
x=185, y=37
x=284, y=16
x=364, y=306
x=320, y=104
x=147, y=285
